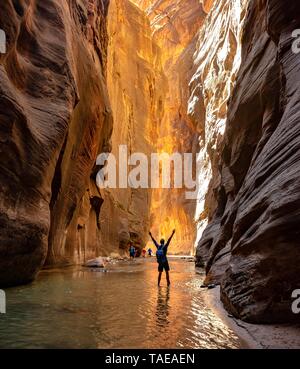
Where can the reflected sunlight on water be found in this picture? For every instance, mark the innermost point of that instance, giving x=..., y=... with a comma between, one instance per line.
x=123, y=308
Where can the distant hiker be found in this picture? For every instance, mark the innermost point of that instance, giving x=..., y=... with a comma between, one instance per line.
x=161, y=255
x=144, y=253
x=150, y=252
x=132, y=251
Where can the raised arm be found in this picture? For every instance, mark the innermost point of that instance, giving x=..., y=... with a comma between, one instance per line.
x=155, y=243
x=170, y=239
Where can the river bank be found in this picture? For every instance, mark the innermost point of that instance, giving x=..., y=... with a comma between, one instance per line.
x=255, y=336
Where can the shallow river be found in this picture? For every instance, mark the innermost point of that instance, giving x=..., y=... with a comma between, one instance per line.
x=123, y=308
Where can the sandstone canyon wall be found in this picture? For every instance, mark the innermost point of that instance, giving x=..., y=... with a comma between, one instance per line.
x=137, y=89
x=175, y=25
x=150, y=64
x=55, y=118
x=216, y=62
x=253, y=238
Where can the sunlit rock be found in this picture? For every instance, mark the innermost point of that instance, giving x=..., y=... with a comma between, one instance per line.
x=95, y=263
x=174, y=27
x=136, y=86
x=216, y=62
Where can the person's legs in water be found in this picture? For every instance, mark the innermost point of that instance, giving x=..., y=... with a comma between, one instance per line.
x=160, y=271
x=159, y=278
x=167, y=269
x=168, y=278
x=161, y=268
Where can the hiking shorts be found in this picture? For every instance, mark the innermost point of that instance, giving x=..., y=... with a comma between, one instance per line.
x=163, y=266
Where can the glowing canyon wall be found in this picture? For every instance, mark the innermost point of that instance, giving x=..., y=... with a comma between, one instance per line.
x=150, y=65
x=201, y=53
x=137, y=89
x=175, y=25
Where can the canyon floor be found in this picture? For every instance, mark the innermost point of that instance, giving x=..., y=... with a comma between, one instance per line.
x=262, y=336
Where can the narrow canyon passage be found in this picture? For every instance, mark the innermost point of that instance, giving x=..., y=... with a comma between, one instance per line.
x=123, y=308
x=214, y=79
x=149, y=64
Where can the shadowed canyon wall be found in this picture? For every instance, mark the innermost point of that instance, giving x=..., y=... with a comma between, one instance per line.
x=55, y=118
x=253, y=237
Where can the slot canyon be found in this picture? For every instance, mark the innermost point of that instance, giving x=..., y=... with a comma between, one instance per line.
x=214, y=78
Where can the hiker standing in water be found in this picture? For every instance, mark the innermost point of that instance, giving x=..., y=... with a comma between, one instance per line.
x=161, y=255
x=132, y=251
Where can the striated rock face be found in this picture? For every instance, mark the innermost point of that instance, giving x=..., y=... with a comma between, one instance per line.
x=55, y=118
x=216, y=62
x=174, y=27
x=253, y=235
x=136, y=85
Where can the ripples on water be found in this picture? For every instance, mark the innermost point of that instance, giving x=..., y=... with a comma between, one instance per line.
x=123, y=308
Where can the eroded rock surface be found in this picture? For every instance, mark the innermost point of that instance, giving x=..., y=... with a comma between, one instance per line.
x=137, y=89
x=217, y=60
x=175, y=25
x=55, y=118
x=257, y=198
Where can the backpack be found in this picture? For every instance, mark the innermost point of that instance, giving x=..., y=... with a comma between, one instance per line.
x=160, y=255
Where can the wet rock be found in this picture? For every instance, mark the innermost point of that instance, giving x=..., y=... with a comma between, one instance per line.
x=95, y=263
x=188, y=258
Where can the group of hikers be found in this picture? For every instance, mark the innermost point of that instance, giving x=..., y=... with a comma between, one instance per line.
x=133, y=252
x=161, y=255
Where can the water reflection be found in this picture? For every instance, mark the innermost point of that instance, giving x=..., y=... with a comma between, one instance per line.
x=163, y=307
x=78, y=308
